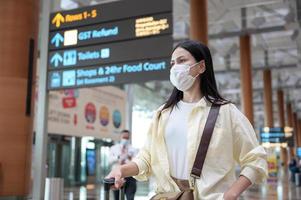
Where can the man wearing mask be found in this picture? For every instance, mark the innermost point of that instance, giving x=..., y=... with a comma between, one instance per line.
x=121, y=153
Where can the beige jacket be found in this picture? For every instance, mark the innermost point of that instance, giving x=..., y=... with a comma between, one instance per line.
x=233, y=141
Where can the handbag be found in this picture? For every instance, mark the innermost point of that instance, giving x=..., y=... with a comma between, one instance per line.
x=186, y=192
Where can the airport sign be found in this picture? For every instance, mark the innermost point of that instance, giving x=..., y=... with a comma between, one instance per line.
x=110, y=74
x=112, y=43
x=113, y=11
x=111, y=53
x=128, y=29
x=276, y=134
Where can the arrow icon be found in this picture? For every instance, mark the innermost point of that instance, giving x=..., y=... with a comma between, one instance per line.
x=56, y=58
x=58, y=19
x=57, y=39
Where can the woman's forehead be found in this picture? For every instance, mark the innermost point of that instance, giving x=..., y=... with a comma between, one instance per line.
x=178, y=52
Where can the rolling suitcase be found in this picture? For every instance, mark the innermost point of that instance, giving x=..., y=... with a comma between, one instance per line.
x=107, y=186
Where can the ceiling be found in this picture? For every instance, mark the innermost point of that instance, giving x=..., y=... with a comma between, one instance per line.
x=276, y=44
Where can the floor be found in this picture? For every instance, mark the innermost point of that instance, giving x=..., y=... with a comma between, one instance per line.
x=274, y=189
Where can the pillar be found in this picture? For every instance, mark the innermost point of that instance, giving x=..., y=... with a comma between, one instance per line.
x=299, y=133
x=280, y=103
x=18, y=33
x=296, y=129
x=199, y=20
x=246, y=77
x=281, y=117
x=289, y=123
x=268, y=98
x=289, y=114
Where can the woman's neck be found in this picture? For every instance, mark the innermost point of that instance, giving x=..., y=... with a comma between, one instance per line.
x=193, y=94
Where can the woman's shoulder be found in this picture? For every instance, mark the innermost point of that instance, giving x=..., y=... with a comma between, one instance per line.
x=227, y=106
x=230, y=109
x=233, y=111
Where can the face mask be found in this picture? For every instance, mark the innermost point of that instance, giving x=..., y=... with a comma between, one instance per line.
x=124, y=142
x=180, y=77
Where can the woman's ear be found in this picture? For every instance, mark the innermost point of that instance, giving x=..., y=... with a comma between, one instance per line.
x=202, y=66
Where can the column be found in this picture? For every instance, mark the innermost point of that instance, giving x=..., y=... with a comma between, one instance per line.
x=281, y=117
x=289, y=114
x=199, y=20
x=98, y=172
x=18, y=33
x=296, y=130
x=289, y=122
x=280, y=101
x=299, y=133
x=268, y=98
x=246, y=77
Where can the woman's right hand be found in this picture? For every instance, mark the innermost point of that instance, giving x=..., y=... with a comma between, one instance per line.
x=117, y=174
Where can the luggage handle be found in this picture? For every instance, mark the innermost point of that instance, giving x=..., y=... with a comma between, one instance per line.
x=108, y=182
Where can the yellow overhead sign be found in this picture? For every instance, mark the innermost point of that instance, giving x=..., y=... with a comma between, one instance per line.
x=147, y=26
x=59, y=19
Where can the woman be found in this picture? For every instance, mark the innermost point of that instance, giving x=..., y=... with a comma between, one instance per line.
x=176, y=129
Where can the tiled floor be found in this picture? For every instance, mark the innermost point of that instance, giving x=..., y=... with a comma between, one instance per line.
x=274, y=189
x=96, y=192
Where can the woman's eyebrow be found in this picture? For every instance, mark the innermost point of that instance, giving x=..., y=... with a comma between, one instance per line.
x=176, y=58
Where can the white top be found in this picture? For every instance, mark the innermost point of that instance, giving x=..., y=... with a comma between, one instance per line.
x=176, y=139
x=121, y=154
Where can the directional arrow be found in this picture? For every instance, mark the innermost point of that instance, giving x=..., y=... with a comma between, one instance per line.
x=58, y=19
x=56, y=58
x=57, y=39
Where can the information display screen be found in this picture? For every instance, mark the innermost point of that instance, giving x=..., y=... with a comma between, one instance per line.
x=110, y=53
x=113, y=43
x=139, y=27
x=275, y=135
x=112, y=11
x=110, y=74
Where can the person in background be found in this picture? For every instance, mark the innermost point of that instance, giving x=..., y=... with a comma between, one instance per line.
x=120, y=154
x=293, y=167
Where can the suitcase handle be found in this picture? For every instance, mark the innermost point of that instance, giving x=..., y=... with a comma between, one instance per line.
x=108, y=182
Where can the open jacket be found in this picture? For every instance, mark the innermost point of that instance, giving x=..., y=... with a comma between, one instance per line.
x=233, y=141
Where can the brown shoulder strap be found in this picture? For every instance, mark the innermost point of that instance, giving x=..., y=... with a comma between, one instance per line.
x=205, y=140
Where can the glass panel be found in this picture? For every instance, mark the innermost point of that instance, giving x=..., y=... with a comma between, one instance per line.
x=51, y=160
x=66, y=163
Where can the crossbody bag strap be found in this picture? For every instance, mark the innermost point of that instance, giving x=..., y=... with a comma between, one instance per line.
x=205, y=141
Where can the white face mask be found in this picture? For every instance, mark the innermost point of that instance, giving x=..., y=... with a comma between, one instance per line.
x=180, y=77
x=124, y=142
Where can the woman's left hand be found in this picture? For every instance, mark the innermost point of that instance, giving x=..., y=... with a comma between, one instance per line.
x=237, y=188
x=230, y=196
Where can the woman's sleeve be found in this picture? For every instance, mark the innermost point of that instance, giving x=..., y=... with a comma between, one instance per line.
x=143, y=158
x=247, y=151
